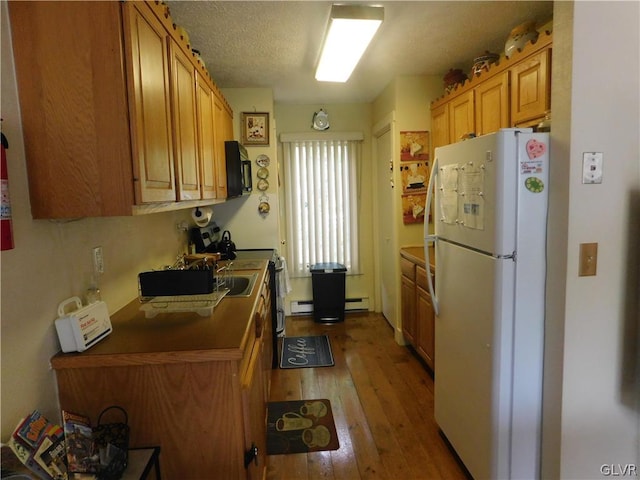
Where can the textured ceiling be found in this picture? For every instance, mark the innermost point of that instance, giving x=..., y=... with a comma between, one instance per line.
x=276, y=44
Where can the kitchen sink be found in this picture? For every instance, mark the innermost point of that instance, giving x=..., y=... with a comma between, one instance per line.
x=239, y=285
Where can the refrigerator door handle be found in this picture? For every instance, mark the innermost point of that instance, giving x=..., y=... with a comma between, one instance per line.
x=429, y=239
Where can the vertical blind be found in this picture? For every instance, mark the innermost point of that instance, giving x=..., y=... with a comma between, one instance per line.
x=321, y=201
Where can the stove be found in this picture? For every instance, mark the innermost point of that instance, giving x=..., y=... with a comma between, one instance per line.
x=249, y=259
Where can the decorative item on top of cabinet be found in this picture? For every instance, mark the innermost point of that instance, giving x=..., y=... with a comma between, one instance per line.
x=519, y=37
x=514, y=92
x=453, y=78
x=483, y=62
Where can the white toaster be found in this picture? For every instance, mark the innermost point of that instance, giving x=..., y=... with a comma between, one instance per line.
x=83, y=327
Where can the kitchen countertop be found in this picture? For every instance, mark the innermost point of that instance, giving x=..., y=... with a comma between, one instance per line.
x=172, y=337
x=416, y=255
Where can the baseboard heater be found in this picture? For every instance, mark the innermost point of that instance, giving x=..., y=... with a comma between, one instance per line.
x=305, y=307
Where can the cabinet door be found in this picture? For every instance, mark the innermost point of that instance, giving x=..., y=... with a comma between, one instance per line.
x=206, y=139
x=440, y=126
x=147, y=65
x=492, y=104
x=530, y=88
x=73, y=102
x=408, y=309
x=255, y=415
x=222, y=134
x=425, y=334
x=461, y=117
x=267, y=339
x=183, y=93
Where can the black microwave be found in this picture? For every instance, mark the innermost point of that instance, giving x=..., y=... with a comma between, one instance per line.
x=239, y=180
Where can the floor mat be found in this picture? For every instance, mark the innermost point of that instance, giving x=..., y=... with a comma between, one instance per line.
x=301, y=352
x=300, y=426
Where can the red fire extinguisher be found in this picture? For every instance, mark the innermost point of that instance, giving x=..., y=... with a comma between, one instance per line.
x=6, y=237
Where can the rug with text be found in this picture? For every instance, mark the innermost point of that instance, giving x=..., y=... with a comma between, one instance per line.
x=301, y=352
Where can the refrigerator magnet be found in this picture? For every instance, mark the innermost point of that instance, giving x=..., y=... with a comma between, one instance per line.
x=534, y=184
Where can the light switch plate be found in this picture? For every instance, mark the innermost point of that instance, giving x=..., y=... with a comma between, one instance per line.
x=592, y=167
x=588, y=259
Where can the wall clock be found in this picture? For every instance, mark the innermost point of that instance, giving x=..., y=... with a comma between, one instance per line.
x=320, y=120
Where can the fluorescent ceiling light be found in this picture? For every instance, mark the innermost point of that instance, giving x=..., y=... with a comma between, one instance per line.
x=351, y=28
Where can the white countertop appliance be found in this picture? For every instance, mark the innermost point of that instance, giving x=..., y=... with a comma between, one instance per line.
x=490, y=214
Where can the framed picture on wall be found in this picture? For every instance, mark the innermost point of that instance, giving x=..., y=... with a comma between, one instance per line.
x=415, y=176
x=254, y=128
x=413, y=207
x=414, y=146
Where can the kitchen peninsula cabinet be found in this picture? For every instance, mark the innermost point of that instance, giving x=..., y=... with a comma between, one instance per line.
x=109, y=113
x=515, y=92
x=418, y=316
x=195, y=386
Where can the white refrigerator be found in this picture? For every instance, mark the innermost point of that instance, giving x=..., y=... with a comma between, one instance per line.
x=490, y=215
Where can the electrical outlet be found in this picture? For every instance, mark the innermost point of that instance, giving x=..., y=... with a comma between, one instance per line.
x=98, y=260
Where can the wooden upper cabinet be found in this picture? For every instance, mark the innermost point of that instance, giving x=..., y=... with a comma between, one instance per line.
x=461, y=117
x=110, y=124
x=224, y=132
x=206, y=142
x=183, y=93
x=516, y=92
x=492, y=104
x=73, y=102
x=147, y=43
x=440, y=126
x=530, y=88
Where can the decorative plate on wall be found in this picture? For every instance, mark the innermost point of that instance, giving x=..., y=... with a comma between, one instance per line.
x=263, y=160
x=263, y=172
x=263, y=184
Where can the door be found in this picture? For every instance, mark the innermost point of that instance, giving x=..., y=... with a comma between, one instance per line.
x=183, y=93
x=150, y=102
x=222, y=134
x=473, y=347
x=492, y=104
x=461, y=117
x=476, y=192
x=387, y=255
x=206, y=142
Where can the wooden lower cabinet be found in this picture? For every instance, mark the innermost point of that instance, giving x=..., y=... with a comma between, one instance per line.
x=408, y=299
x=206, y=410
x=425, y=319
x=417, y=313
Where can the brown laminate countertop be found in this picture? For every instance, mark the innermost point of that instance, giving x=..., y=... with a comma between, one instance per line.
x=416, y=255
x=172, y=337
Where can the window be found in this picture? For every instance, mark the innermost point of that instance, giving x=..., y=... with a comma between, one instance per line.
x=321, y=200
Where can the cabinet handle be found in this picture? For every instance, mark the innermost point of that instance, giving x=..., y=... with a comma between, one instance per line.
x=251, y=455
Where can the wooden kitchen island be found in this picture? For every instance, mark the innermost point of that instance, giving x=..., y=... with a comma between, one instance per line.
x=195, y=386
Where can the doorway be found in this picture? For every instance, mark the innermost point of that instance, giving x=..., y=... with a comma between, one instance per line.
x=386, y=258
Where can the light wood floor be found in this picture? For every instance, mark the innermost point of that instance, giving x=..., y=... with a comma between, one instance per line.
x=382, y=400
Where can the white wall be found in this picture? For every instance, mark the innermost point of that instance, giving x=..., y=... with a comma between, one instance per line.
x=297, y=118
x=248, y=228
x=51, y=261
x=594, y=320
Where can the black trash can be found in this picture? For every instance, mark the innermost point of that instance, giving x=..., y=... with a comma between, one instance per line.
x=328, y=282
